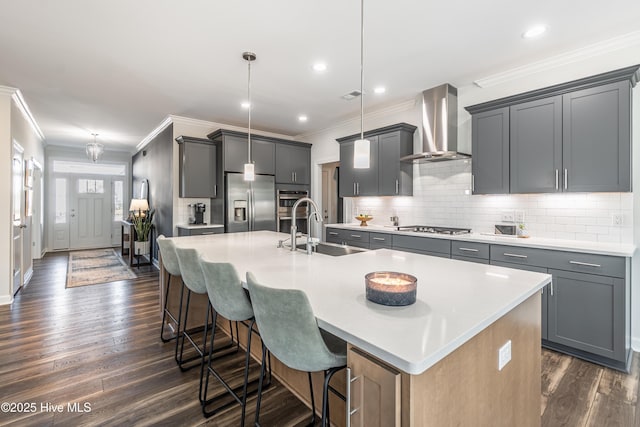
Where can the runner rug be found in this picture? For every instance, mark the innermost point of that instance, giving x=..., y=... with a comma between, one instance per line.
x=96, y=266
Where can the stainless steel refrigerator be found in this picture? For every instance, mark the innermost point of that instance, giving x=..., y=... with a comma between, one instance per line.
x=251, y=206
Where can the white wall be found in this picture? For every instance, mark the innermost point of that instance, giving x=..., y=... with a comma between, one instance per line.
x=6, y=259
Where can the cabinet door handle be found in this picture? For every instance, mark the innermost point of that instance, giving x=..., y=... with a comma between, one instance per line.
x=333, y=233
x=397, y=187
x=295, y=177
x=355, y=236
x=566, y=178
x=515, y=255
x=473, y=183
x=557, y=179
x=358, y=188
x=468, y=249
x=354, y=189
x=551, y=287
x=208, y=232
x=350, y=412
x=379, y=238
x=292, y=178
x=587, y=264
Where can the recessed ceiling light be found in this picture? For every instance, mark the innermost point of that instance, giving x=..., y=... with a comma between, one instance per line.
x=380, y=89
x=535, y=31
x=320, y=67
x=302, y=118
x=245, y=105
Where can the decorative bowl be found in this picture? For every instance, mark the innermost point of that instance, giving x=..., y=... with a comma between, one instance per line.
x=391, y=288
x=363, y=219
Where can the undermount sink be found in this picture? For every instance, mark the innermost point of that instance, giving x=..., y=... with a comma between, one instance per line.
x=332, y=249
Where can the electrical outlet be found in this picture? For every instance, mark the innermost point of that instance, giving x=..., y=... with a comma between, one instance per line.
x=616, y=219
x=508, y=216
x=519, y=217
x=504, y=355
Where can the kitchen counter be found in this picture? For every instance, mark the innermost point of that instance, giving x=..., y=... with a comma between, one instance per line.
x=455, y=301
x=601, y=248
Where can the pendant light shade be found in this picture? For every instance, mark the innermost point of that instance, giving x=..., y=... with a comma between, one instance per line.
x=94, y=149
x=361, y=154
x=249, y=170
x=362, y=147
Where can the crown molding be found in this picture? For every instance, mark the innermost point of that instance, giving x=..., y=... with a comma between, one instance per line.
x=566, y=58
x=26, y=112
x=155, y=132
x=7, y=90
x=395, y=108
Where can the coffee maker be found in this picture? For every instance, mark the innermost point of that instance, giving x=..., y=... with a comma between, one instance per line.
x=196, y=213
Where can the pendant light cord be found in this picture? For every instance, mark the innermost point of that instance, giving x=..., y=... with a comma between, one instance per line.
x=361, y=69
x=249, y=96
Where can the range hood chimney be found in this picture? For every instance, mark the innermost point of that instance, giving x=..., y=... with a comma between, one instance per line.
x=439, y=127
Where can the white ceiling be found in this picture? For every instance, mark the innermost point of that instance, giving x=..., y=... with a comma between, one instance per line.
x=119, y=67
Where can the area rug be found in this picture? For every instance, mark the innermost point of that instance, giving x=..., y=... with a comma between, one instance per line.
x=96, y=266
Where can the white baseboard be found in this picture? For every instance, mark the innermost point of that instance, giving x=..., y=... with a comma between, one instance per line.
x=635, y=344
x=6, y=299
x=27, y=276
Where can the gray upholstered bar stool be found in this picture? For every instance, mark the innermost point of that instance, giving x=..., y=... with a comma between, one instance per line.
x=194, y=281
x=170, y=262
x=290, y=331
x=230, y=300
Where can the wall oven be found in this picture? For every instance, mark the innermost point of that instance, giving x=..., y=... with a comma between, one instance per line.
x=286, y=200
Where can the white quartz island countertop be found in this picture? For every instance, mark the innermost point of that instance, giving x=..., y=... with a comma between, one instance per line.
x=455, y=299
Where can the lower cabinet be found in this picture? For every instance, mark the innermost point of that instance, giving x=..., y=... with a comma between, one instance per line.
x=199, y=231
x=374, y=391
x=586, y=312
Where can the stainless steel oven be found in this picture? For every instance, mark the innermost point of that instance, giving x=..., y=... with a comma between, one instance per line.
x=286, y=200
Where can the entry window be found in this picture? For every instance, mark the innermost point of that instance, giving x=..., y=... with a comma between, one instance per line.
x=118, y=200
x=61, y=200
x=94, y=186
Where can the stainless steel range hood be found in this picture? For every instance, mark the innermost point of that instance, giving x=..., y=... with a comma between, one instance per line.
x=439, y=127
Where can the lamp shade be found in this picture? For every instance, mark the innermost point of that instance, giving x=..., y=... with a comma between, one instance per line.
x=139, y=205
x=361, y=154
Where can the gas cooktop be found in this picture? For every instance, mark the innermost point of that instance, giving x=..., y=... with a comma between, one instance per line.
x=433, y=229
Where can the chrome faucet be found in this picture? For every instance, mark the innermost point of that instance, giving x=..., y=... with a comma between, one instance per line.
x=294, y=228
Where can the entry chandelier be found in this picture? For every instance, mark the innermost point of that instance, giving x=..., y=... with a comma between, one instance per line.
x=249, y=169
x=94, y=149
x=362, y=147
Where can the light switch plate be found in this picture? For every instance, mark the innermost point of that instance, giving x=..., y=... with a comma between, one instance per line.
x=504, y=355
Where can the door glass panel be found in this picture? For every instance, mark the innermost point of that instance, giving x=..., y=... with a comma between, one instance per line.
x=61, y=200
x=17, y=189
x=118, y=200
x=93, y=186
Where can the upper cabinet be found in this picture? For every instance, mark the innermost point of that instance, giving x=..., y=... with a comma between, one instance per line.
x=198, y=167
x=293, y=163
x=386, y=175
x=266, y=153
x=490, y=148
x=573, y=137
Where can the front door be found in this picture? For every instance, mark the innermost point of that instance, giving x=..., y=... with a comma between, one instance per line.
x=90, y=212
x=17, y=216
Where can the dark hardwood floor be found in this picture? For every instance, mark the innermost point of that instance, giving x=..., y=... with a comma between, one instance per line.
x=100, y=345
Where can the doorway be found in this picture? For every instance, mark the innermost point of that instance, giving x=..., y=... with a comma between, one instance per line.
x=331, y=206
x=90, y=212
x=17, y=216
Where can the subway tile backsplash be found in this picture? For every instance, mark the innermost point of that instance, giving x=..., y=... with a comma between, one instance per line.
x=183, y=209
x=442, y=196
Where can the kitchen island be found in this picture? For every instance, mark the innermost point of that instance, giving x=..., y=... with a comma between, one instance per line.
x=434, y=362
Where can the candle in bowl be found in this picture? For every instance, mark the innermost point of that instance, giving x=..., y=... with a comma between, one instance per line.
x=391, y=288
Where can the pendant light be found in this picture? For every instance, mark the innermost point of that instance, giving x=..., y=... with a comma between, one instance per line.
x=362, y=147
x=94, y=149
x=249, y=170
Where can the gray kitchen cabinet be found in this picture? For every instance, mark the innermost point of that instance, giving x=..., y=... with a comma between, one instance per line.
x=379, y=241
x=536, y=146
x=348, y=237
x=235, y=151
x=358, y=182
x=597, y=138
x=199, y=230
x=490, y=152
x=594, y=138
x=587, y=312
x=395, y=178
x=386, y=175
x=422, y=245
x=293, y=164
x=197, y=167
